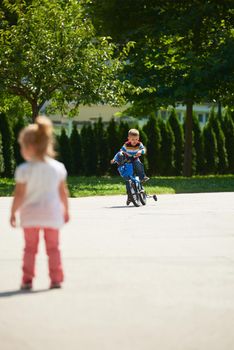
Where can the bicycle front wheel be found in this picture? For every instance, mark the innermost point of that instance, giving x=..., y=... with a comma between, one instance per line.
x=133, y=193
x=142, y=195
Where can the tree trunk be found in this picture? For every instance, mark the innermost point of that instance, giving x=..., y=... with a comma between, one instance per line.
x=35, y=110
x=187, y=169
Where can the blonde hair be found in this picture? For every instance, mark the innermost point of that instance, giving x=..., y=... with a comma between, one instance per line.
x=40, y=136
x=133, y=132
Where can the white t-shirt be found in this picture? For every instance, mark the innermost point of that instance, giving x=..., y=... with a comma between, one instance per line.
x=42, y=206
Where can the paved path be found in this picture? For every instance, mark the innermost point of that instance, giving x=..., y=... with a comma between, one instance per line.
x=159, y=277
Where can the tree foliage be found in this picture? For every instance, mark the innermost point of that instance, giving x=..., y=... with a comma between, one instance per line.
x=153, y=145
x=18, y=126
x=49, y=50
x=65, y=150
x=167, y=149
x=76, y=153
x=1, y=157
x=114, y=142
x=183, y=52
x=103, y=156
x=210, y=150
x=222, y=164
x=179, y=141
x=198, y=146
x=89, y=150
x=228, y=130
x=7, y=145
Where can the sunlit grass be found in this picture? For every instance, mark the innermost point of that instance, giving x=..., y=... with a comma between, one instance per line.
x=91, y=186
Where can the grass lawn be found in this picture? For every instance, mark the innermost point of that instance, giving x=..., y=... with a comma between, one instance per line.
x=90, y=186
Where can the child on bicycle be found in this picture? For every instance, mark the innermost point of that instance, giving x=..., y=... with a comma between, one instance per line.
x=131, y=152
x=41, y=197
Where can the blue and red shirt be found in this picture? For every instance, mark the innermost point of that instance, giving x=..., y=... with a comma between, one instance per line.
x=130, y=151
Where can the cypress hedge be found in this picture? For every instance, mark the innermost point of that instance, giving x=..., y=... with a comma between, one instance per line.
x=1, y=156
x=143, y=139
x=103, y=156
x=167, y=149
x=210, y=150
x=88, y=152
x=222, y=162
x=19, y=125
x=228, y=129
x=179, y=142
x=153, y=145
x=65, y=150
x=113, y=141
x=7, y=145
x=198, y=146
x=76, y=152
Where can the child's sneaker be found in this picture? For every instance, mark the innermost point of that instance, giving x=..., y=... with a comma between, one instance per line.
x=145, y=178
x=55, y=285
x=26, y=286
x=128, y=201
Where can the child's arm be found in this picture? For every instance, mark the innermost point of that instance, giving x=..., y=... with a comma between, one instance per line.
x=64, y=193
x=114, y=160
x=19, y=194
x=141, y=150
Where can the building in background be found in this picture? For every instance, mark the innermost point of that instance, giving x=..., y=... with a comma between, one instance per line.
x=202, y=112
x=92, y=113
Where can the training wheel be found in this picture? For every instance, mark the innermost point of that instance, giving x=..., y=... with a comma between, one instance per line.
x=155, y=197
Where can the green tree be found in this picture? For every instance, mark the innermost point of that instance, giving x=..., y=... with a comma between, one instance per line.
x=49, y=50
x=153, y=145
x=18, y=126
x=65, y=151
x=76, y=151
x=144, y=140
x=222, y=165
x=231, y=113
x=143, y=136
x=114, y=143
x=14, y=106
x=183, y=51
x=228, y=129
x=16, y=112
x=167, y=150
x=1, y=156
x=198, y=145
x=123, y=131
x=89, y=147
x=103, y=156
x=179, y=142
x=210, y=150
x=7, y=145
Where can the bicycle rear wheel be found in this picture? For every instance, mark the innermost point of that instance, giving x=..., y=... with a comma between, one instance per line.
x=133, y=193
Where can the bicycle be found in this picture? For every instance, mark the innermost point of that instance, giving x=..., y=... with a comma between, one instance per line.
x=135, y=190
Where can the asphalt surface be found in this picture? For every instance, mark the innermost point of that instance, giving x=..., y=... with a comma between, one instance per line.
x=155, y=277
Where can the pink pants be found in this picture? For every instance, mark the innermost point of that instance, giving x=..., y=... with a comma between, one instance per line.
x=31, y=236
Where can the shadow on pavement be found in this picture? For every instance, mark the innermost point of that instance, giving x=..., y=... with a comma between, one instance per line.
x=120, y=206
x=12, y=293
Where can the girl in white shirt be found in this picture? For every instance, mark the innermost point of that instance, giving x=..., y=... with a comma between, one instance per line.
x=41, y=197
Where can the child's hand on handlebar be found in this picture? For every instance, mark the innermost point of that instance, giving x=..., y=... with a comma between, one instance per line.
x=112, y=161
x=138, y=154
